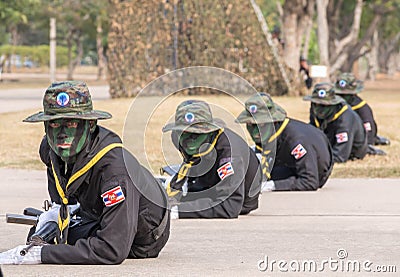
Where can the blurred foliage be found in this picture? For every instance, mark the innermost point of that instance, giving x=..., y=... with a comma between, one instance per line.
x=38, y=54
x=149, y=39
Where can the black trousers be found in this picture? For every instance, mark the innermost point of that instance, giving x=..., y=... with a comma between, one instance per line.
x=148, y=247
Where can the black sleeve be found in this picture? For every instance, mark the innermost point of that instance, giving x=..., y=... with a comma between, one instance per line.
x=226, y=200
x=369, y=123
x=306, y=178
x=342, y=150
x=113, y=240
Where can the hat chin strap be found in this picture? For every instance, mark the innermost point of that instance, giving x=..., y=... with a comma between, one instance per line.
x=208, y=150
x=211, y=146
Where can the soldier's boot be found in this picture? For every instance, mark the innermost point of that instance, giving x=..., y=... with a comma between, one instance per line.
x=381, y=141
x=375, y=151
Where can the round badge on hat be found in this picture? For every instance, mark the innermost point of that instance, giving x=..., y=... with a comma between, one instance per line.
x=189, y=117
x=253, y=109
x=321, y=93
x=62, y=99
x=342, y=83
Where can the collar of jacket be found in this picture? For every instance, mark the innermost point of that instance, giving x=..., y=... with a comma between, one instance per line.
x=336, y=116
x=359, y=105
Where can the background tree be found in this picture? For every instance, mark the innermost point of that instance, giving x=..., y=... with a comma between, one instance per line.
x=150, y=38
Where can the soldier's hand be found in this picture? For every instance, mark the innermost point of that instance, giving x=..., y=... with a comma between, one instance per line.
x=47, y=216
x=267, y=186
x=13, y=256
x=174, y=212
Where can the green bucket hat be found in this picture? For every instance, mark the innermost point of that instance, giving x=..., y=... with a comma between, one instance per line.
x=347, y=83
x=68, y=99
x=324, y=93
x=194, y=116
x=260, y=108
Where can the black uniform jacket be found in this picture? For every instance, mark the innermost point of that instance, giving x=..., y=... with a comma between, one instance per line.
x=306, y=151
x=365, y=112
x=124, y=228
x=225, y=183
x=345, y=133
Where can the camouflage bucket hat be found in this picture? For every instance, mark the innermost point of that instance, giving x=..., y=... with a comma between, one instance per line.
x=68, y=99
x=261, y=109
x=194, y=116
x=348, y=84
x=324, y=93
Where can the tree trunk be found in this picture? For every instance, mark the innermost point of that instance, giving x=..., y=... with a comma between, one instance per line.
x=323, y=32
x=69, y=55
x=73, y=63
x=385, y=50
x=355, y=52
x=292, y=49
x=307, y=36
x=297, y=17
x=101, y=60
x=372, y=58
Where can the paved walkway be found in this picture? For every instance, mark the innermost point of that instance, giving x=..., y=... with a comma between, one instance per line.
x=12, y=100
x=359, y=217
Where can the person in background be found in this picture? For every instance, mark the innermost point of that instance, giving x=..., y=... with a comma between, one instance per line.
x=303, y=156
x=343, y=127
x=305, y=72
x=348, y=87
x=220, y=176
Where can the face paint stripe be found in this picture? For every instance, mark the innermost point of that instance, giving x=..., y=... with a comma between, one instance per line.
x=75, y=136
x=83, y=136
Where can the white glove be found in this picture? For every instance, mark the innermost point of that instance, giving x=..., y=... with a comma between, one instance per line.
x=167, y=181
x=13, y=256
x=47, y=216
x=259, y=157
x=174, y=212
x=185, y=189
x=267, y=186
x=51, y=215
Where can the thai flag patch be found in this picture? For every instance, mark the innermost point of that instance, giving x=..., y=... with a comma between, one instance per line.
x=113, y=196
x=299, y=151
x=225, y=171
x=342, y=137
x=367, y=126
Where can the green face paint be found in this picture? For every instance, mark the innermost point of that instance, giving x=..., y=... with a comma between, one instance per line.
x=347, y=97
x=67, y=137
x=260, y=132
x=191, y=142
x=323, y=111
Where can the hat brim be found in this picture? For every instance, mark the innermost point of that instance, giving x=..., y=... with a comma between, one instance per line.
x=198, y=128
x=336, y=100
x=249, y=118
x=358, y=89
x=92, y=115
x=348, y=91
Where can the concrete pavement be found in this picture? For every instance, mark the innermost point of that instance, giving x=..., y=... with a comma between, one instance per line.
x=359, y=217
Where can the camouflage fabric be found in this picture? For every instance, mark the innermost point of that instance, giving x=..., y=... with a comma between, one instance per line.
x=194, y=116
x=348, y=84
x=324, y=93
x=261, y=109
x=68, y=99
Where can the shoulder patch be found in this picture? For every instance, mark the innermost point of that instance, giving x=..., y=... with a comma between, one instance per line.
x=342, y=137
x=113, y=196
x=225, y=170
x=299, y=151
x=367, y=126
